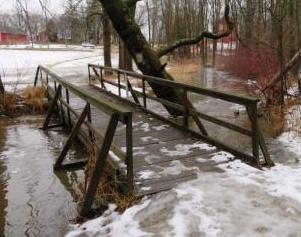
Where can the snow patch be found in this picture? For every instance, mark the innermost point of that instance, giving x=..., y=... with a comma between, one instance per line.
x=148, y=174
x=149, y=139
x=176, y=168
x=161, y=127
x=186, y=149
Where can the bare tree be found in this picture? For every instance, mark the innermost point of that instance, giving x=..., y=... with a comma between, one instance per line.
x=146, y=59
x=23, y=13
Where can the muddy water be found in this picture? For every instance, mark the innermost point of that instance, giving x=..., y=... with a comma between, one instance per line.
x=33, y=200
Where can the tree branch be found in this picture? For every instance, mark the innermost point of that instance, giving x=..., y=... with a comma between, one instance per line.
x=204, y=34
x=277, y=77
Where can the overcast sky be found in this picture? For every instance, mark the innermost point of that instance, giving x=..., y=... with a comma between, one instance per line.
x=55, y=6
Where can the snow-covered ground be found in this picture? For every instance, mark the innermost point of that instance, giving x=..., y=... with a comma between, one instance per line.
x=42, y=46
x=241, y=201
x=19, y=66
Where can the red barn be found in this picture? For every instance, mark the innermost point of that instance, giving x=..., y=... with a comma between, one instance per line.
x=222, y=26
x=6, y=37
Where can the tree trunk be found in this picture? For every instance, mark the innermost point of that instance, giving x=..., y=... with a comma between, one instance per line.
x=146, y=59
x=122, y=17
x=2, y=91
x=125, y=58
x=107, y=41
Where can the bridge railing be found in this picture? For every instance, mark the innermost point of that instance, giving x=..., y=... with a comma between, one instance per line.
x=187, y=108
x=56, y=87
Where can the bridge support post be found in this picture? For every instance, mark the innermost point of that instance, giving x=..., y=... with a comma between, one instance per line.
x=74, y=132
x=100, y=165
x=129, y=154
x=252, y=113
x=52, y=107
x=258, y=141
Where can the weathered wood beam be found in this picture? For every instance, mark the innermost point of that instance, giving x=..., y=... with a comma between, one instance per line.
x=72, y=136
x=100, y=165
x=52, y=107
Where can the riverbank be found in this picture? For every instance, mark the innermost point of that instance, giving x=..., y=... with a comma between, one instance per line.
x=31, y=100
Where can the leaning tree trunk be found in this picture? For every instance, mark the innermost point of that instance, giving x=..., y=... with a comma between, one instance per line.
x=125, y=58
x=148, y=61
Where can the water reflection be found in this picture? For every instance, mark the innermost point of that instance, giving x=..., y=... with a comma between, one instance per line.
x=287, y=119
x=34, y=201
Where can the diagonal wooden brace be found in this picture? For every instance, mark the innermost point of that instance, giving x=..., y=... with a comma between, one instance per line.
x=100, y=164
x=135, y=97
x=74, y=132
x=52, y=107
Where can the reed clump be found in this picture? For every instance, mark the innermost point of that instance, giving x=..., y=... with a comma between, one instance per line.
x=34, y=98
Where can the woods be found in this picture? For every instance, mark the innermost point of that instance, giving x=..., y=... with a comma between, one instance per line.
x=155, y=117
x=148, y=32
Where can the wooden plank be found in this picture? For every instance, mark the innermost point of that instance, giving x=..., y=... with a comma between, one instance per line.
x=88, y=96
x=74, y=164
x=143, y=189
x=158, y=183
x=169, y=151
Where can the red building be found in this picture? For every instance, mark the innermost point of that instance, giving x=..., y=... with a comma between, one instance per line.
x=6, y=37
x=222, y=26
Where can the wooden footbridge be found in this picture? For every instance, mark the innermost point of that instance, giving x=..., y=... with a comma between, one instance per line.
x=127, y=126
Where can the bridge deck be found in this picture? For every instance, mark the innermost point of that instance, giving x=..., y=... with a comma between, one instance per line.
x=163, y=156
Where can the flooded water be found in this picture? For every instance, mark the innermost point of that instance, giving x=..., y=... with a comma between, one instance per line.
x=282, y=135
x=34, y=201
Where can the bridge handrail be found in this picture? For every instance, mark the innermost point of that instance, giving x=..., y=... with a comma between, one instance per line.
x=238, y=99
x=188, y=110
x=107, y=145
x=105, y=106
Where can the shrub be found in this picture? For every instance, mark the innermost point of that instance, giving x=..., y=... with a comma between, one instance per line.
x=252, y=62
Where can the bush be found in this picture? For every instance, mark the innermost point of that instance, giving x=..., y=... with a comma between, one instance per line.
x=252, y=62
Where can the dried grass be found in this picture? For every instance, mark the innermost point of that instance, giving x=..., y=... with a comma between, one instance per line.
x=108, y=190
x=8, y=102
x=185, y=70
x=34, y=97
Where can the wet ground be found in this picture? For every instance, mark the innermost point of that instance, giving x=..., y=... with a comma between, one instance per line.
x=33, y=200
x=36, y=202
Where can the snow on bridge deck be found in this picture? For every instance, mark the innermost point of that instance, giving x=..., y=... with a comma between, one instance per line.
x=163, y=156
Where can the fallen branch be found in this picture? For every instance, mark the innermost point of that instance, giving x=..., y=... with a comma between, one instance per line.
x=202, y=36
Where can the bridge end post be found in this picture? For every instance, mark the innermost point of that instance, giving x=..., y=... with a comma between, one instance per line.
x=129, y=153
